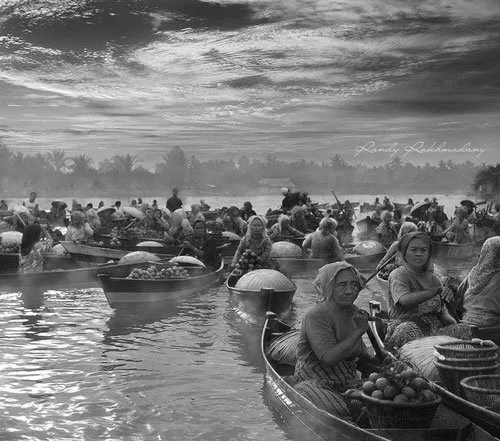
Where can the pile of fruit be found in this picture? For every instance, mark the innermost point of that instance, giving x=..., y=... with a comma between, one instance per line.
x=10, y=242
x=9, y=249
x=398, y=383
x=248, y=262
x=114, y=236
x=384, y=272
x=158, y=272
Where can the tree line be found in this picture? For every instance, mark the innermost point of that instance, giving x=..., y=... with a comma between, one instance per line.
x=55, y=173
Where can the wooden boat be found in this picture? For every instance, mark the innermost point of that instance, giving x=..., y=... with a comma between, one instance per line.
x=254, y=304
x=210, y=216
x=485, y=418
x=367, y=226
x=449, y=250
x=305, y=263
x=9, y=262
x=120, y=291
x=314, y=423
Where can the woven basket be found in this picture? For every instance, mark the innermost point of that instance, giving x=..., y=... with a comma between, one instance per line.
x=390, y=415
x=483, y=390
x=451, y=375
x=468, y=362
x=467, y=349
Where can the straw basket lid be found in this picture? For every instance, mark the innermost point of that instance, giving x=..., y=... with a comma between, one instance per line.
x=421, y=206
x=134, y=212
x=188, y=260
x=106, y=211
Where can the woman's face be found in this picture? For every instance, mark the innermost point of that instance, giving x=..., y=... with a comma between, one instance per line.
x=326, y=229
x=257, y=226
x=417, y=252
x=285, y=223
x=345, y=289
x=198, y=228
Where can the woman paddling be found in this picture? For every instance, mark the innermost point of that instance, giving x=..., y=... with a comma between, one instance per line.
x=33, y=249
x=256, y=240
x=202, y=245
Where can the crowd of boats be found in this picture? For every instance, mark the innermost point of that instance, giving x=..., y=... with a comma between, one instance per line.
x=143, y=253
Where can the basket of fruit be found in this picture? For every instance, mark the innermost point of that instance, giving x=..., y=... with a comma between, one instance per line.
x=397, y=398
x=158, y=271
x=248, y=261
x=467, y=348
x=384, y=272
x=483, y=390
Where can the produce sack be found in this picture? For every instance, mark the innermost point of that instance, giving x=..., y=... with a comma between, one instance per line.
x=138, y=257
x=286, y=249
x=265, y=278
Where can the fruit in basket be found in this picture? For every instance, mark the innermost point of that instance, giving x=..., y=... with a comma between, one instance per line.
x=427, y=396
x=382, y=383
x=378, y=394
x=374, y=377
x=401, y=398
x=154, y=272
x=384, y=272
x=369, y=387
x=409, y=392
x=418, y=384
x=391, y=391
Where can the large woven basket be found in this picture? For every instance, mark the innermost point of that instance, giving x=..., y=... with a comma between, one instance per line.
x=467, y=362
x=451, y=375
x=467, y=349
x=483, y=390
x=390, y=415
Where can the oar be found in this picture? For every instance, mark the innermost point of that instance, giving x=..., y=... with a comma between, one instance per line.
x=19, y=217
x=382, y=267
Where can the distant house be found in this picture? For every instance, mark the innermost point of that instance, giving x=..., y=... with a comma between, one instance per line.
x=274, y=185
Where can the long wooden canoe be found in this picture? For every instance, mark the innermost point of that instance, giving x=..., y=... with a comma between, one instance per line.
x=9, y=262
x=451, y=250
x=252, y=305
x=366, y=226
x=313, y=423
x=121, y=291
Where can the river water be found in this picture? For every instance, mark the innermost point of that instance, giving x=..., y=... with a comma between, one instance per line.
x=73, y=368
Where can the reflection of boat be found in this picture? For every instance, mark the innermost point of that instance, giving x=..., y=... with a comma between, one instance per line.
x=120, y=290
x=254, y=304
x=314, y=422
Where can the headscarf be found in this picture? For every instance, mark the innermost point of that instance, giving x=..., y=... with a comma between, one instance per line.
x=249, y=223
x=487, y=266
x=296, y=211
x=325, y=280
x=78, y=215
x=31, y=236
x=462, y=213
x=327, y=220
x=177, y=218
x=406, y=227
x=407, y=238
x=281, y=219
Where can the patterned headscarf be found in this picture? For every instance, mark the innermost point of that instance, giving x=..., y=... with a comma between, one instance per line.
x=487, y=266
x=406, y=227
x=328, y=220
x=325, y=280
x=31, y=236
x=297, y=210
x=249, y=223
x=405, y=240
x=281, y=219
x=78, y=216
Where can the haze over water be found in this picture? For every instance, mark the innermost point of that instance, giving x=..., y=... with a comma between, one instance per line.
x=295, y=79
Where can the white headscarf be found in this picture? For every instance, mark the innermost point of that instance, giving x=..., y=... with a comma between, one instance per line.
x=487, y=266
x=325, y=280
x=249, y=228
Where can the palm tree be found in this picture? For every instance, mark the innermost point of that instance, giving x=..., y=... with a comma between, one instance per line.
x=58, y=160
x=487, y=182
x=81, y=164
x=125, y=163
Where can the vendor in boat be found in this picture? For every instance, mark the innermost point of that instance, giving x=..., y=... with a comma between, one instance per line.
x=233, y=222
x=282, y=229
x=323, y=243
x=158, y=223
x=174, y=202
x=3, y=205
x=180, y=228
x=440, y=217
x=93, y=218
x=298, y=220
x=330, y=342
x=119, y=214
x=33, y=249
x=407, y=227
x=458, y=232
x=417, y=299
x=479, y=290
x=31, y=204
x=195, y=214
x=290, y=200
x=204, y=206
x=247, y=211
x=376, y=216
x=256, y=240
x=347, y=213
x=386, y=230
x=78, y=230
x=202, y=245
x=409, y=205
x=388, y=205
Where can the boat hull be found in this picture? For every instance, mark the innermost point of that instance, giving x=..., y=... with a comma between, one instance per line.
x=9, y=262
x=366, y=226
x=122, y=291
x=448, y=250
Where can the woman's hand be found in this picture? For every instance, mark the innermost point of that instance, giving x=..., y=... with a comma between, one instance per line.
x=361, y=321
x=447, y=294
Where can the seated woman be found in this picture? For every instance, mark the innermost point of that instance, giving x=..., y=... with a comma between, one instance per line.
x=298, y=220
x=257, y=240
x=417, y=299
x=202, y=245
x=330, y=341
x=247, y=211
x=78, y=230
x=458, y=232
x=195, y=214
x=282, y=229
x=323, y=243
x=3, y=205
x=376, y=216
x=479, y=290
x=158, y=222
x=233, y=222
x=386, y=230
x=179, y=229
x=407, y=227
x=33, y=249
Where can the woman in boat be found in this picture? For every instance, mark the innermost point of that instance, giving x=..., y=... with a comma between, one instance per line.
x=323, y=243
x=407, y=227
x=78, y=230
x=179, y=229
x=458, y=232
x=158, y=223
x=33, y=249
x=376, y=216
x=93, y=218
x=257, y=240
x=330, y=341
x=3, y=205
x=233, y=221
x=409, y=205
x=479, y=290
x=282, y=229
x=247, y=211
x=298, y=220
x=202, y=245
x=417, y=299
x=386, y=230
x=195, y=214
